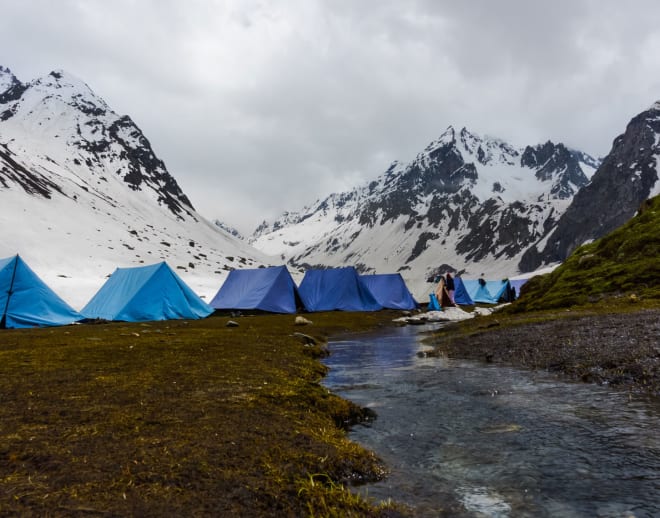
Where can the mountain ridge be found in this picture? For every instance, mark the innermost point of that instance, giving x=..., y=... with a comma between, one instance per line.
x=91, y=194
x=479, y=200
x=628, y=176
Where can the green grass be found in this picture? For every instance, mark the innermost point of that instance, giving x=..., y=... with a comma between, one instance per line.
x=622, y=268
x=179, y=418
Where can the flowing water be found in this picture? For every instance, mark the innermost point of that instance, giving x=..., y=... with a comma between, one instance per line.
x=481, y=440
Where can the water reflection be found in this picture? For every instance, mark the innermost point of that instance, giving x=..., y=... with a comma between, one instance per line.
x=483, y=440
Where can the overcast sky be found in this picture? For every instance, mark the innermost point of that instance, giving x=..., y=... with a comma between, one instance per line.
x=258, y=107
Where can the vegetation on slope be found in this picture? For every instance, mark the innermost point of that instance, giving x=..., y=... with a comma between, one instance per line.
x=623, y=266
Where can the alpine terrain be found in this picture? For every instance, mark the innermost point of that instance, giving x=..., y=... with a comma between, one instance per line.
x=467, y=203
x=82, y=193
x=627, y=177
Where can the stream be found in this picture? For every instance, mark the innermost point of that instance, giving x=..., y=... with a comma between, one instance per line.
x=482, y=440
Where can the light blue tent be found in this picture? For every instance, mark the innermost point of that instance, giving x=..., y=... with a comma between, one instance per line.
x=516, y=285
x=26, y=301
x=390, y=290
x=267, y=289
x=491, y=292
x=145, y=293
x=336, y=289
x=461, y=295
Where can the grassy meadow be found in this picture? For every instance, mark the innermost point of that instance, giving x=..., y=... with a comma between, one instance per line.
x=179, y=418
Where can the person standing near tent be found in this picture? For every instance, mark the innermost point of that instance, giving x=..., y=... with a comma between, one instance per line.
x=449, y=283
x=442, y=294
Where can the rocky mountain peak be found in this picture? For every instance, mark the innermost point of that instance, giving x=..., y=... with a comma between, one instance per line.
x=465, y=199
x=555, y=162
x=60, y=108
x=626, y=177
x=447, y=138
x=7, y=79
x=83, y=192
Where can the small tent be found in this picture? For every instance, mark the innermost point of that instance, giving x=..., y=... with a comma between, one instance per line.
x=390, y=290
x=26, y=301
x=488, y=292
x=516, y=284
x=461, y=295
x=145, y=293
x=267, y=289
x=336, y=289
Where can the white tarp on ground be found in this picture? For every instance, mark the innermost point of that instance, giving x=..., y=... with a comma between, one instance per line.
x=449, y=314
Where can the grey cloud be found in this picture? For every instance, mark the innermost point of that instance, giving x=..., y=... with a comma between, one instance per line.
x=259, y=107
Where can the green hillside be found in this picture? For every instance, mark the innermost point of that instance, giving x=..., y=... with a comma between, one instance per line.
x=622, y=266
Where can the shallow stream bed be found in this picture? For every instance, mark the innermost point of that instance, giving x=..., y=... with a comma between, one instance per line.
x=484, y=440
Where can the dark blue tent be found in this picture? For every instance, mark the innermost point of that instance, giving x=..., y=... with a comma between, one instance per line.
x=461, y=295
x=390, y=290
x=336, y=289
x=266, y=289
x=26, y=301
x=145, y=293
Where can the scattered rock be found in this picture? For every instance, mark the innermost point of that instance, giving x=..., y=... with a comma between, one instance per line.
x=305, y=339
x=231, y=323
x=302, y=321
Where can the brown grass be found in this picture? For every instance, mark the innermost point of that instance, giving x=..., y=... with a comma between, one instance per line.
x=178, y=418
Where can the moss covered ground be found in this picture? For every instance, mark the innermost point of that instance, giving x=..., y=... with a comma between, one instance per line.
x=179, y=418
x=621, y=267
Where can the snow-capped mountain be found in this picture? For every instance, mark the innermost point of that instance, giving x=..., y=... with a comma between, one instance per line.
x=627, y=177
x=82, y=192
x=466, y=203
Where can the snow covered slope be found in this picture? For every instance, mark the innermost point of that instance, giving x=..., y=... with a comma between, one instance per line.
x=82, y=192
x=466, y=203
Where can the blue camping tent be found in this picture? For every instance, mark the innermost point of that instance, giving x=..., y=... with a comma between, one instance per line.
x=461, y=295
x=491, y=292
x=145, y=293
x=516, y=285
x=26, y=301
x=390, y=290
x=336, y=289
x=267, y=289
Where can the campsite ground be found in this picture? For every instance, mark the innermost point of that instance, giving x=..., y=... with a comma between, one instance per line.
x=615, y=343
x=179, y=418
x=196, y=418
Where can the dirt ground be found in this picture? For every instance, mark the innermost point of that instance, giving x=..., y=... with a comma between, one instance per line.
x=621, y=349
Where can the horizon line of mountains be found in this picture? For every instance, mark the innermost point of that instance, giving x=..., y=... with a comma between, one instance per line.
x=466, y=203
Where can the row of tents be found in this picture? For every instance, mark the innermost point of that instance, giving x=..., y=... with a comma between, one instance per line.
x=480, y=291
x=156, y=292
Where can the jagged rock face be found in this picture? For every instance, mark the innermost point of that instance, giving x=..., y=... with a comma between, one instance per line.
x=547, y=159
x=465, y=200
x=624, y=180
x=12, y=172
x=98, y=141
x=230, y=230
